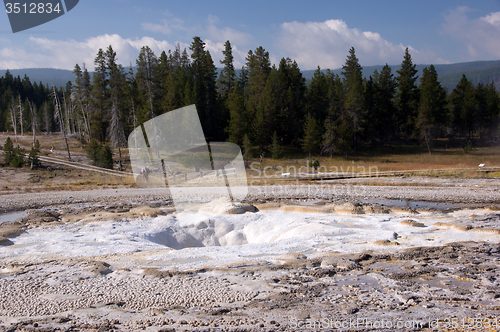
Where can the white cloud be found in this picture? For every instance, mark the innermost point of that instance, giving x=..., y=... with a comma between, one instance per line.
x=217, y=38
x=493, y=19
x=17, y=58
x=216, y=49
x=64, y=54
x=481, y=37
x=222, y=34
x=167, y=26
x=327, y=44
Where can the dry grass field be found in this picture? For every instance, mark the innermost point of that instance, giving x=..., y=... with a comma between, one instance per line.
x=453, y=162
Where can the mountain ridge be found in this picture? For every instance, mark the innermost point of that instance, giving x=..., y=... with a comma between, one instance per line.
x=449, y=74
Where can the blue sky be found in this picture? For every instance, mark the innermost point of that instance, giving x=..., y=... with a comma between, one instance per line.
x=311, y=32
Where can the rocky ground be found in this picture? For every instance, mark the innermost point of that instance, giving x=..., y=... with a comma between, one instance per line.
x=454, y=287
x=459, y=191
x=426, y=287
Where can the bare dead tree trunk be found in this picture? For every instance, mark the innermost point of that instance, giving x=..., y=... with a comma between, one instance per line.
x=21, y=115
x=427, y=141
x=34, y=121
x=13, y=118
x=120, y=160
x=86, y=122
x=46, y=117
x=67, y=111
x=151, y=108
x=134, y=119
x=60, y=119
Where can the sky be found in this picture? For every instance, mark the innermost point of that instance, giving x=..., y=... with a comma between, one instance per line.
x=313, y=33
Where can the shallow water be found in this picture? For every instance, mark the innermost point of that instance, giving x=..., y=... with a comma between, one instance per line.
x=11, y=216
x=416, y=204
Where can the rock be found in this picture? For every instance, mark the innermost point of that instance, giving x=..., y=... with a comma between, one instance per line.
x=351, y=208
x=147, y=211
x=376, y=209
x=302, y=315
x=4, y=241
x=10, y=229
x=442, y=224
x=40, y=217
x=100, y=268
x=412, y=223
x=222, y=206
x=247, y=207
x=267, y=206
x=339, y=262
x=386, y=243
x=304, y=209
x=462, y=228
x=488, y=230
x=350, y=310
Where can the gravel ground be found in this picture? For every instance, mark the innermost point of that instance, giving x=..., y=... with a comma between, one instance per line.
x=474, y=191
x=453, y=287
x=420, y=289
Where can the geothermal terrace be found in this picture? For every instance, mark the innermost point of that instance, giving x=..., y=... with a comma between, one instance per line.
x=411, y=252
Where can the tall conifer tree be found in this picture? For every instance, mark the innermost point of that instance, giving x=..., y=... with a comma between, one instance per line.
x=431, y=111
x=407, y=96
x=353, y=85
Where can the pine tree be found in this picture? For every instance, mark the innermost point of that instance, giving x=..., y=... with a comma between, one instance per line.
x=431, y=111
x=18, y=157
x=336, y=96
x=33, y=159
x=117, y=87
x=93, y=150
x=227, y=76
x=275, y=147
x=290, y=101
x=264, y=123
x=100, y=97
x=407, y=96
x=345, y=133
x=106, y=158
x=353, y=85
x=330, y=137
x=312, y=136
x=146, y=79
x=258, y=67
x=204, y=75
x=488, y=106
x=371, y=132
x=178, y=86
x=247, y=148
x=463, y=108
x=385, y=110
x=237, y=127
x=317, y=95
x=8, y=150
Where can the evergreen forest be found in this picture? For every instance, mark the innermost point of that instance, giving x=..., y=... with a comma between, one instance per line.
x=262, y=108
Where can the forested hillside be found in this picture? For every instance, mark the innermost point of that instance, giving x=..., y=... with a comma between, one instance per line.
x=449, y=75
x=49, y=76
x=260, y=105
x=483, y=72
